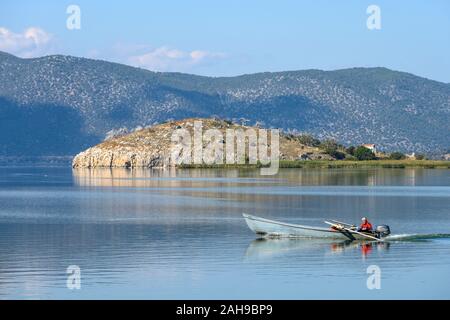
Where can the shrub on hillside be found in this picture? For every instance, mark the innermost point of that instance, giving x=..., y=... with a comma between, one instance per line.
x=362, y=153
x=332, y=148
x=114, y=133
x=397, y=156
x=308, y=140
x=350, y=150
x=421, y=157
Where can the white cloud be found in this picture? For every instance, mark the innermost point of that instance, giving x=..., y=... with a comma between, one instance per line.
x=171, y=59
x=30, y=43
x=198, y=54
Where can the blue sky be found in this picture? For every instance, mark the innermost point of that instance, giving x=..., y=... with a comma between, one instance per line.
x=235, y=37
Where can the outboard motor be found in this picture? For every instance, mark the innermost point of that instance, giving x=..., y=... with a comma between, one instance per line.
x=383, y=231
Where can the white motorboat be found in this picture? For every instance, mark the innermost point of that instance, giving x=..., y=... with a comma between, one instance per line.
x=338, y=230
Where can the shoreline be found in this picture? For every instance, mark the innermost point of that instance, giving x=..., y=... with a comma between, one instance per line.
x=334, y=164
x=284, y=164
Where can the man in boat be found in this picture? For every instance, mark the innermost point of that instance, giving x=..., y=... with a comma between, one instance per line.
x=365, y=226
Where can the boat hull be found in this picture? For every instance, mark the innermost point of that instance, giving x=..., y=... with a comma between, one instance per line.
x=271, y=228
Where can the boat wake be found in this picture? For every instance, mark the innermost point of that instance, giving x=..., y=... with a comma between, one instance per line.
x=263, y=248
x=417, y=236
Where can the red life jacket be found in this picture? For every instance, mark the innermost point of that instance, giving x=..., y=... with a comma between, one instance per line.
x=367, y=226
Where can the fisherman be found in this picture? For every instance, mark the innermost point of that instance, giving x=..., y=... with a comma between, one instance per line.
x=365, y=226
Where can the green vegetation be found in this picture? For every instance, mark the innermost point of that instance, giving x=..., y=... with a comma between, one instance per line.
x=331, y=147
x=346, y=157
x=362, y=153
x=350, y=150
x=308, y=140
x=421, y=157
x=428, y=164
x=397, y=156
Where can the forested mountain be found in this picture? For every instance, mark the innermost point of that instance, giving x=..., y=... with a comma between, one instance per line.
x=59, y=105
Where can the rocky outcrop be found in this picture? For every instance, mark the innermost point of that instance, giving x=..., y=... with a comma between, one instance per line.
x=98, y=157
x=145, y=148
x=151, y=147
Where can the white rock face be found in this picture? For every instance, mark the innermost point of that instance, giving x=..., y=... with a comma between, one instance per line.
x=98, y=157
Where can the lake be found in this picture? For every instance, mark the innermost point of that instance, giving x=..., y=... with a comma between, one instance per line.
x=179, y=234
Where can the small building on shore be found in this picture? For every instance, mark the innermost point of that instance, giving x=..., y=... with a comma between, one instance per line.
x=371, y=147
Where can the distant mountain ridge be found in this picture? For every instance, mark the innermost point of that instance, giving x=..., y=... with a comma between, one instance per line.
x=60, y=105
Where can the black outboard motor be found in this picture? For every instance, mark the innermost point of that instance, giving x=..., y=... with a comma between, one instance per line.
x=382, y=231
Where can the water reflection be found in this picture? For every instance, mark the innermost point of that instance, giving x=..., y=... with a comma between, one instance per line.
x=274, y=248
x=180, y=234
x=141, y=177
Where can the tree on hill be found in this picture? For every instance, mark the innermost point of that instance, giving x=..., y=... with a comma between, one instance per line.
x=308, y=140
x=350, y=150
x=331, y=147
x=362, y=153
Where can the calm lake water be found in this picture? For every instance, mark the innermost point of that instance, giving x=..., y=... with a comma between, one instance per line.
x=153, y=234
